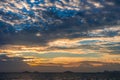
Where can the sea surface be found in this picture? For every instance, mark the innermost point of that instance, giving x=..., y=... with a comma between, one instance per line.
x=59, y=76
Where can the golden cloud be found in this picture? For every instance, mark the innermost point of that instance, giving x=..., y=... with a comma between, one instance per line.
x=65, y=46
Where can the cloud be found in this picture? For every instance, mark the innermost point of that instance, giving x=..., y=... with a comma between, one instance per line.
x=106, y=31
x=32, y=63
x=14, y=63
x=51, y=26
x=61, y=34
x=67, y=52
x=87, y=45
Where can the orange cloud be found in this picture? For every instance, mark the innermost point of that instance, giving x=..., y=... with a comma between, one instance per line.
x=65, y=46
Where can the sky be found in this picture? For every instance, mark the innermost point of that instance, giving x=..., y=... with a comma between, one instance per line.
x=59, y=35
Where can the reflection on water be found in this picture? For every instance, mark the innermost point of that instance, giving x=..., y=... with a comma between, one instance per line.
x=59, y=76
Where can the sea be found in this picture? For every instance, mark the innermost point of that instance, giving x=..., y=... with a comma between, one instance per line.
x=59, y=76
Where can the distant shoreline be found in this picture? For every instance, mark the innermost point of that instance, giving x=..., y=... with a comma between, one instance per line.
x=65, y=72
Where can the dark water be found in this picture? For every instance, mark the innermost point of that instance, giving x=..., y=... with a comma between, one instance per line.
x=59, y=76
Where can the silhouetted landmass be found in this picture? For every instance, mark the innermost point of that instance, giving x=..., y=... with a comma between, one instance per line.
x=68, y=72
x=26, y=72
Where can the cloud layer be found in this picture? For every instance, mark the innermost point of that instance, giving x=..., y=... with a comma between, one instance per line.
x=77, y=35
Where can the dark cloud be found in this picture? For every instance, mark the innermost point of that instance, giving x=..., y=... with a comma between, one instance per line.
x=115, y=50
x=72, y=27
x=12, y=64
x=87, y=66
